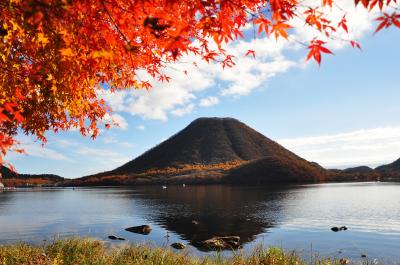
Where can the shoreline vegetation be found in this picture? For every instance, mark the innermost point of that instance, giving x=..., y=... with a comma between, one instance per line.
x=88, y=251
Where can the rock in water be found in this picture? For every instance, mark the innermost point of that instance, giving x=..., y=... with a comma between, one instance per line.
x=223, y=242
x=335, y=229
x=194, y=222
x=178, y=245
x=112, y=237
x=141, y=229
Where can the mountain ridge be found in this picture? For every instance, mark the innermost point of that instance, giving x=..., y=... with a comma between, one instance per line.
x=14, y=179
x=389, y=167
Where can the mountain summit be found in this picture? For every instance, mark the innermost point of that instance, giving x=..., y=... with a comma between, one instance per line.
x=212, y=150
x=207, y=141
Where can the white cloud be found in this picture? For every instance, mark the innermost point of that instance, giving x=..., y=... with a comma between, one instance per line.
x=115, y=99
x=120, y=121
x=102, y=154
x=183, y=111
x=141, y=127
x=125, y=144
x=43, y=152
x=116, y=121
x=208, y=101
x=64, y=142
x=109, y=139
x=160, y=100
x=36, y=149
x=370, y=147
x=251, y=75
x=177, y=96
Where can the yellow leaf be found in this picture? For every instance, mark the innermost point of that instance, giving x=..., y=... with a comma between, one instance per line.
x=15, y=25
x=102, y=53
x=42, y=39
x=67, y=52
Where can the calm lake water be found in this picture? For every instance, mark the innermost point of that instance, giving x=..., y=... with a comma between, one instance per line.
x=295, y=217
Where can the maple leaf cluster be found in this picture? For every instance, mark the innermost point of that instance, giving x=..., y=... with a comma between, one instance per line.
x=57, y=56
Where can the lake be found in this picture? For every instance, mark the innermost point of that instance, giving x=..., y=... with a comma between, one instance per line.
x=294, y=217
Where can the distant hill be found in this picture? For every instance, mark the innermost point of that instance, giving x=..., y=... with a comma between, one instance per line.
x=211, y=150
x=12, y=178
x=395, y=166
x=361, y=169
x=361, y=173
x=390, y=171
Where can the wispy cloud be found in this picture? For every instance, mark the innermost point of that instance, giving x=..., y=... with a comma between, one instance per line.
x=183, y=111
x=44, y=152
x=106, y=155
x=111, y=139
x=35, y=149
x=208, y=101
x=370, y=147
x=141, y=127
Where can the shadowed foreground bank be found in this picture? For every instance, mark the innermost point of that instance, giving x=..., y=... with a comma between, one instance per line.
x=90, y=251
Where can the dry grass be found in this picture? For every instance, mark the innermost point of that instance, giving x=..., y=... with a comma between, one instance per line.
x=89, y=251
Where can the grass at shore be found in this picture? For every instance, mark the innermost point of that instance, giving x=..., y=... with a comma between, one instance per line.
x=89, y=251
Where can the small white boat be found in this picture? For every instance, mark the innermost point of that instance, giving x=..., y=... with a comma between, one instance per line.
x=164, y=187
x=183, y=185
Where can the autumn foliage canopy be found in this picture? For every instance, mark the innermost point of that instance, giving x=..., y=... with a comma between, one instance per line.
x=57, y=56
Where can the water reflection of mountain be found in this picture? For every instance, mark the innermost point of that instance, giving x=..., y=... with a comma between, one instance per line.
x=219, y=211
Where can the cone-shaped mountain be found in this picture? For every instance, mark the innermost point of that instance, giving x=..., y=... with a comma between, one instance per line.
x=207, y=141
x=212, y=150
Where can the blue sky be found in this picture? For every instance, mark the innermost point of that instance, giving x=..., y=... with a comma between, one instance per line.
x=345, y=113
